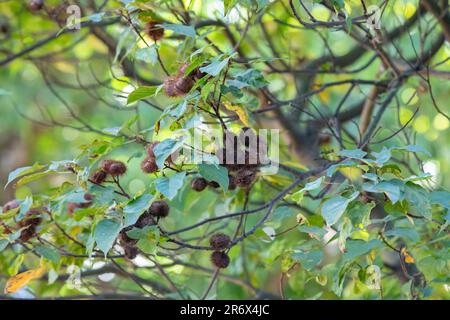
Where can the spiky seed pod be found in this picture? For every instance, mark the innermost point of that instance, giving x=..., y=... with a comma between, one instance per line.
x=146, y=219
x=27, y=233
x=245, y=177
x=99, y=176
x=170, y=88
x=150, y=148
x=184, y=84
x=231, y=183
x=10, y=205
x=219, y=241
x=113, y=167
x=153, y=31
x=199, y=184
x=29, y=223
x=32, y=218
x=124, y=239
x=148, y=165
x=220, y=259
x=159, y=209
x=36, y=5
x=117, y=169
x=213, y=184
x=130, y=252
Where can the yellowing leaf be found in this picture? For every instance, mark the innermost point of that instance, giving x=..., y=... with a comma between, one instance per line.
x=408, y=258
x=19, y=280
x=240, y=111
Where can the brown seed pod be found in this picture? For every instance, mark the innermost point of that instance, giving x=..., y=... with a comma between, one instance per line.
x=36, y=5
x=99, y=176
x=159, y=209
x=184, y=84
x=170, y=89
x=114, y=167
x=29, y=223
x=150, y=149
x=4, y=28
x=213, y=184
x=146, y=219
x=27, y=234
x=130, y=252
x=220, y=259
x=148, y=165
x=199, y=184
x=153, y=31
x=245, y=177
x=219, y=241
x=124, y=239
x=32, y=218
x=10, y=205
x=231, y=183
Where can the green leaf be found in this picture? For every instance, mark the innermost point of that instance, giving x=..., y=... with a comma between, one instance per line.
x=228, y=5
x=148, y=54
x=440, y=197
x=141, y=93
x=382, y=157
x=412, y=148
x=3, y=244
x=182, y=29
x=134, y=209
x=216, y=66
x=19, y=172
x=169, y=186
x=355, y=153
x=334, y=208
x=318, y=232
x=105, y=233
x=309, y=259
x=48, y=253
x=357, y=248
x=212, y=172
x=24, y=207
x=164, y=149
x=392, y=188
x=407, y=233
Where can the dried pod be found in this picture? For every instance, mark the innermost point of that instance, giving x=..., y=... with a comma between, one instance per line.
x=154, y=31
x=36, y=5
x=220, y=259
x=159, y=209
x=146, y=219
x=114, y=167
x=184, y=84
x=130, y=252
x=124, y=239
x=10, y=205
x=99, y=176
x=150, y=149
x=231, y=183
x=199, y=184
x=213, y=184
x=245, y=177
x=219, y=241
x=148, y=165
